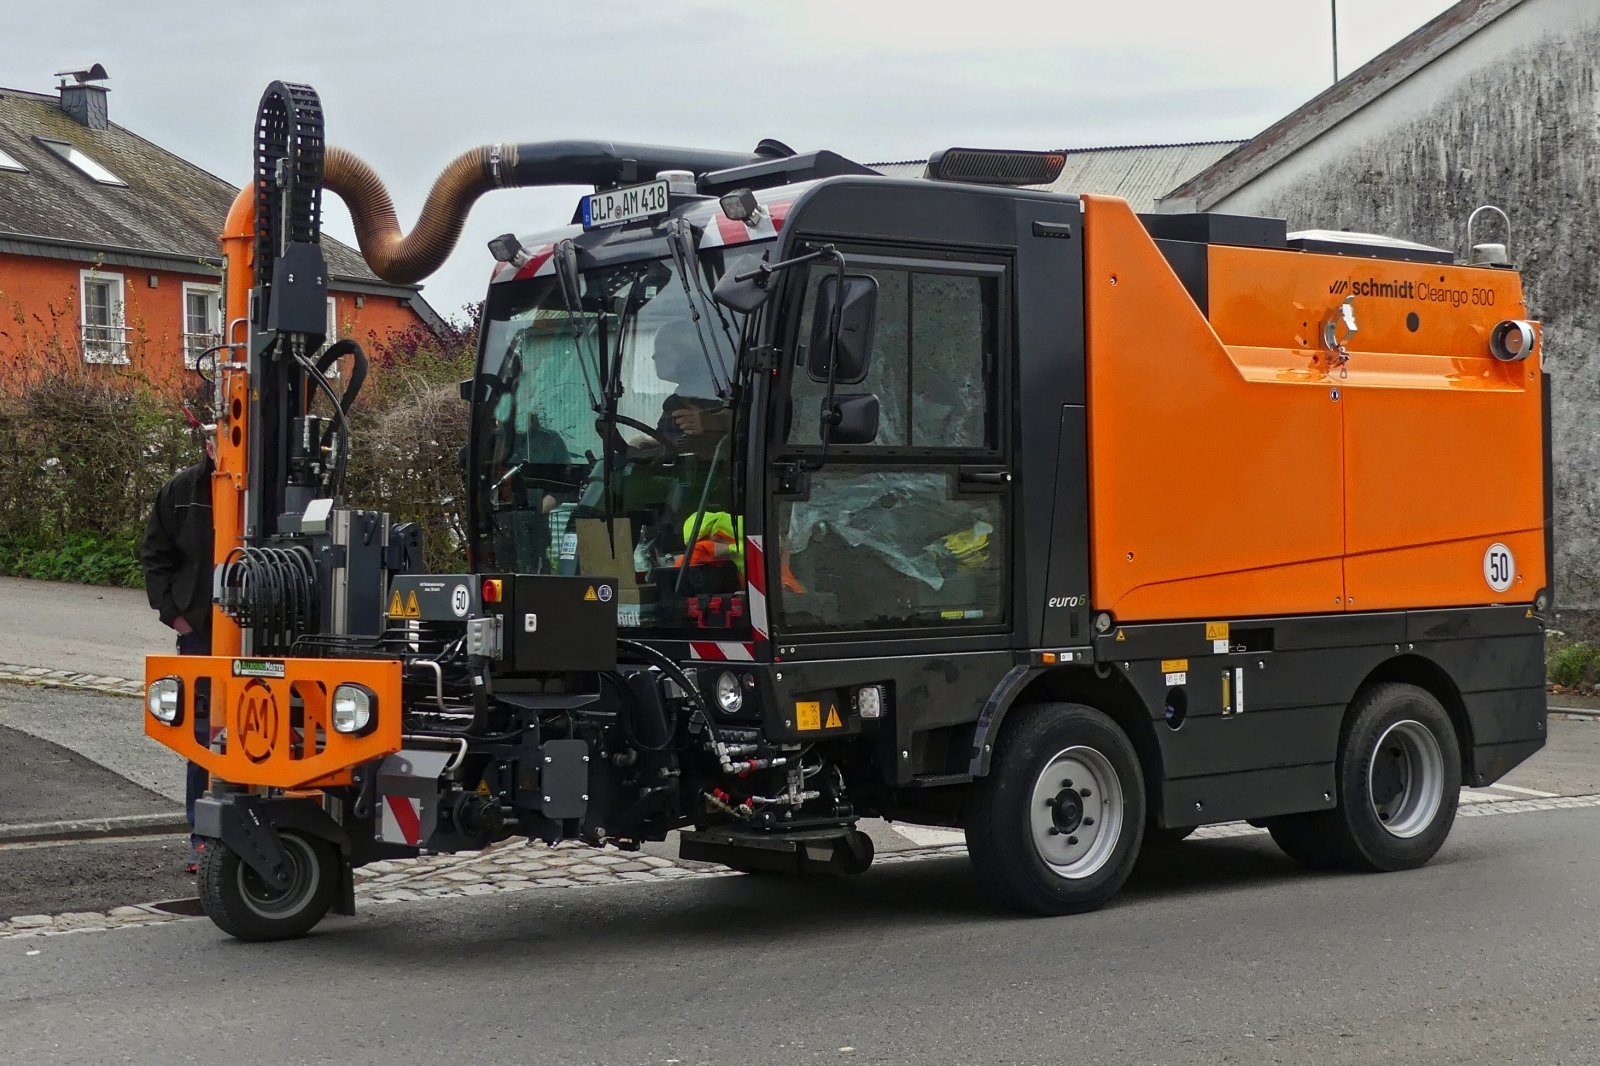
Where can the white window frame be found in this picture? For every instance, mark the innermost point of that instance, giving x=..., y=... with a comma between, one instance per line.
x=8, y=162
x=195, y=343
x=112, y=348
x=333, y=334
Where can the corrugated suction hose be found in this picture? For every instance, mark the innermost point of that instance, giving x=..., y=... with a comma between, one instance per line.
x=408, y=258
x=405, y=259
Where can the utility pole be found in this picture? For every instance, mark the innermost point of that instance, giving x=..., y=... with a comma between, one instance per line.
x=1335, y=5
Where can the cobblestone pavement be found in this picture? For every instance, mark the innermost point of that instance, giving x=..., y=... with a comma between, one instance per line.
x=518, y=866
x=39, y=675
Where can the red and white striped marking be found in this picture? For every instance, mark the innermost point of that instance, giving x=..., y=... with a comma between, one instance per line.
x=722, y=651
x=756, y=573
x=402, y=820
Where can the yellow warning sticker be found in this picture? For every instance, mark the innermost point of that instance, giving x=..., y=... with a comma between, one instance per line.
x=412, y=609
x=483, y=788
x=1121, y=635
x=833, y=719
x=808, y=716
x=1169, y=666
x=590, y=596
x=1216, y=631
x=397, y=609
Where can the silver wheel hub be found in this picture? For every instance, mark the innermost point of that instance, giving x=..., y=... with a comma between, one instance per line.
x=1076, y=812
x=1405, y=781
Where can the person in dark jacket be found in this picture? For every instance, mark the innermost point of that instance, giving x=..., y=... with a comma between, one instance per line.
x=176, y=557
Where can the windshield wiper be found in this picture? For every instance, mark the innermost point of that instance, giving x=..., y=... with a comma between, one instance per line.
x=568, y=285
x=680, y=238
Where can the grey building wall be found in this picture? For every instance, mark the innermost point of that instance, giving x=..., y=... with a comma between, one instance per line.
x=1510, y=117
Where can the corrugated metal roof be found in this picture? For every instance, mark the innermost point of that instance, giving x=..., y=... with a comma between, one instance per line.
x=1138, y=173
x=170, y=209
x=1200, y=190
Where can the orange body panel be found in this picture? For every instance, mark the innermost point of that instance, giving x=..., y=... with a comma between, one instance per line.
x=1234, y=473
x=267, y=741
x=1195, y=472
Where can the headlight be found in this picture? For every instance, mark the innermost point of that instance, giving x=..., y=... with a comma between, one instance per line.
x=869, y=701
x=730, y=697
x=165, y=699
x=352, y=709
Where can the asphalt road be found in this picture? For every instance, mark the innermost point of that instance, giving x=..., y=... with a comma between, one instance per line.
x=1228, y=954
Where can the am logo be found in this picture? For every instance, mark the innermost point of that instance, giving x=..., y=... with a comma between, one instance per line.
x=258, y=720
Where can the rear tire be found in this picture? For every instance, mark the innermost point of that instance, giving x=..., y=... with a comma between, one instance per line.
x=1399, y=781
x=1056, y=826
x=241, y=903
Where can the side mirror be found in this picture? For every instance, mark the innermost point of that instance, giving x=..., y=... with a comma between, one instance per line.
x=850, y=419
x=746, y=286
x=858, y=322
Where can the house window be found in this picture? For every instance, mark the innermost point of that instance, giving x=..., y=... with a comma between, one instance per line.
x=333, y=320
x=8, y=163
x=202, y=321
x=105, y=337
x=83, y=162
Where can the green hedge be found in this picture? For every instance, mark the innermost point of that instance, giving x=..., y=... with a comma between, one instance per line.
x=87, y=558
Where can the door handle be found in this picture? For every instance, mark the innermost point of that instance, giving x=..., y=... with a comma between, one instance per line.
x=984, y=479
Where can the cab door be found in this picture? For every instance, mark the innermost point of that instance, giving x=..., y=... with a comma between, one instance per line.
x=898, y=552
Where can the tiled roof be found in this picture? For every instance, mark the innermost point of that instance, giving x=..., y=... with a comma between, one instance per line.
x=168, y=215
x=1199, y=191
x=1137, y=173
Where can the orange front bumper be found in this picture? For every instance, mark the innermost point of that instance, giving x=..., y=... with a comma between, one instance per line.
x=274, y=730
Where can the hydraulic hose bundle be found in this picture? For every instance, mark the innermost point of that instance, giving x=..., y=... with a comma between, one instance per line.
x=272, y=591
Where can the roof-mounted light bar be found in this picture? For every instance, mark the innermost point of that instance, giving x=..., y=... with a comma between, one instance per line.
x=988, y=166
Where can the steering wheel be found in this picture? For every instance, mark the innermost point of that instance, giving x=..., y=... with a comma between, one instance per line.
x=669, y=449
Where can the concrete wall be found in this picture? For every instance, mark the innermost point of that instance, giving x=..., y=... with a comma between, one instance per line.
x=1510, y=117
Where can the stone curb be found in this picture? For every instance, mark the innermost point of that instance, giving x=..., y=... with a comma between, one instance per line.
x=40, y=675
x=89, y=828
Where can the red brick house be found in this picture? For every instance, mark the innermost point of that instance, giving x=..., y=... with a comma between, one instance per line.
x=108, y=243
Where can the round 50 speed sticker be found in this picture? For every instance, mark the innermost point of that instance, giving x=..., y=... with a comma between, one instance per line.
x=1499, y=567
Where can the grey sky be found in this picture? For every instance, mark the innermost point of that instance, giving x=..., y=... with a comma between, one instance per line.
x=408, y=85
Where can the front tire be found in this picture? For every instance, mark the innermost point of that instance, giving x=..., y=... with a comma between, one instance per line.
x=1399, y=780
x=243, y=905
x=1055, y=827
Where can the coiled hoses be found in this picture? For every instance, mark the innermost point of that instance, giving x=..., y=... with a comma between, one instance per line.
x=272, y=591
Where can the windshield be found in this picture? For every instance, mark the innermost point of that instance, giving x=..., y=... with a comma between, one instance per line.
x=658, y=506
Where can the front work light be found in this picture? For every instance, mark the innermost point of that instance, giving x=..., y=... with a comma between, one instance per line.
x=869, y=701
x=352, y=709
x=165, y=699
x=730, y=696
x=740, y=205
x=1512, y=341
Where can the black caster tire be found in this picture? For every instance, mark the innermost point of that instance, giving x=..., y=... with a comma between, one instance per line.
x=1040, y=844
x=240, y=902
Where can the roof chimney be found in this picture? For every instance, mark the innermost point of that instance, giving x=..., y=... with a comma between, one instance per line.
x=82, y=99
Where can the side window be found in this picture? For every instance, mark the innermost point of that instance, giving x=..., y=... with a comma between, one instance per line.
x=911, y=532
x=933, y=361
x=891, y=548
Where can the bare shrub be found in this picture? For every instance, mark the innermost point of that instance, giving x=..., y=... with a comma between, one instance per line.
x=407, y=432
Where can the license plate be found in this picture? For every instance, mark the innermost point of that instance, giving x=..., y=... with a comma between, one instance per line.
x=627, y=204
